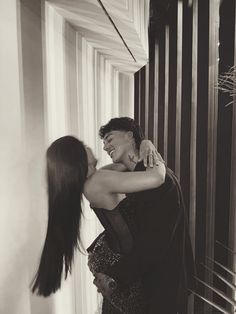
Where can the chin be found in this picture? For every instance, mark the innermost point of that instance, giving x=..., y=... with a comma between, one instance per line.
x=115, y=161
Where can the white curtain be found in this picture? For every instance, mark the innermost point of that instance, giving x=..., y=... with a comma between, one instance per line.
x=53, y=83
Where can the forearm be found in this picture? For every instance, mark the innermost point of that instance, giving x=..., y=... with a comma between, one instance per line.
x=115, y=167
x=131, y=181
x=149, y=154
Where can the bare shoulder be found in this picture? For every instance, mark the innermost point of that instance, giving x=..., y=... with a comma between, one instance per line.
x=94, y=184
x=95, y=190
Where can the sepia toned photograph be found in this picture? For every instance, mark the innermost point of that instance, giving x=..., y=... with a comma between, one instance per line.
x=118, y=156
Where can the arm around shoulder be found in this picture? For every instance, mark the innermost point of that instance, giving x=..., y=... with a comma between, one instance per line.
x=115, y=167
x=159, y=172
x=129, y=182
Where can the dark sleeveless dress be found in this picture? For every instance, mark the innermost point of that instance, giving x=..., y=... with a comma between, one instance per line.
x=108, y=248
x=162, y=254
x=146, y=238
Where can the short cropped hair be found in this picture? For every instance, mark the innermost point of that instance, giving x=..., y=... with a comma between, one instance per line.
x=123, y=124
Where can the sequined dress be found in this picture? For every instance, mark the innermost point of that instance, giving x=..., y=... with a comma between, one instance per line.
x=108, y=248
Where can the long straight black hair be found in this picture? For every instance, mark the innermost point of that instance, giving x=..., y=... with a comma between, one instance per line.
x=67, y=168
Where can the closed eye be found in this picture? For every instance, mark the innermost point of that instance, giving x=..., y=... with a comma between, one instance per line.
x=109, y=139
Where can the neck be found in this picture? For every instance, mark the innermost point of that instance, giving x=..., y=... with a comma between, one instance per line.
x=130, y=159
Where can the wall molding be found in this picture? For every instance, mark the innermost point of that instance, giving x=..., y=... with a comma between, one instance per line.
x=119, y=32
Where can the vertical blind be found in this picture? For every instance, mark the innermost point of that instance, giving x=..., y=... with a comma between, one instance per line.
x=177, y=103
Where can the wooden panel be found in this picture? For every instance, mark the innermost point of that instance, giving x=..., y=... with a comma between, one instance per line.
x=186, y=104
x=166, y=103
x=161, y=87
x=212, y=135
x=142, y=97
x=232, y=217
x=226, y=60
x=232, y=213
x=172, y=85
x=224, y=130
x=147, y=96
x=155, y=95
x=179, y=86
x=137, y=97
x=152, y=62
x=193, y=133
x=201, y=142
x=212, y=124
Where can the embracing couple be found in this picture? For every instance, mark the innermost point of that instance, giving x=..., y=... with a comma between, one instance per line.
x=142, y=262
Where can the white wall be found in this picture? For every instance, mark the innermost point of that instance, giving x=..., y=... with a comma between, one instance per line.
x=52, y=83
x=22, y=194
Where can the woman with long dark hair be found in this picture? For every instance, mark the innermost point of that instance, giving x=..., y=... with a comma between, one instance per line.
x=71, y=172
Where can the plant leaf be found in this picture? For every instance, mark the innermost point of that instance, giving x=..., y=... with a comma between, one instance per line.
x=217, y=291
x=227, y=83
x=232, y=286
x=212, y=303
x=223, y=267
x=218, y=242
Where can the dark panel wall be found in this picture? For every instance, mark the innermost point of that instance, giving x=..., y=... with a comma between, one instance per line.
x=187, y=117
